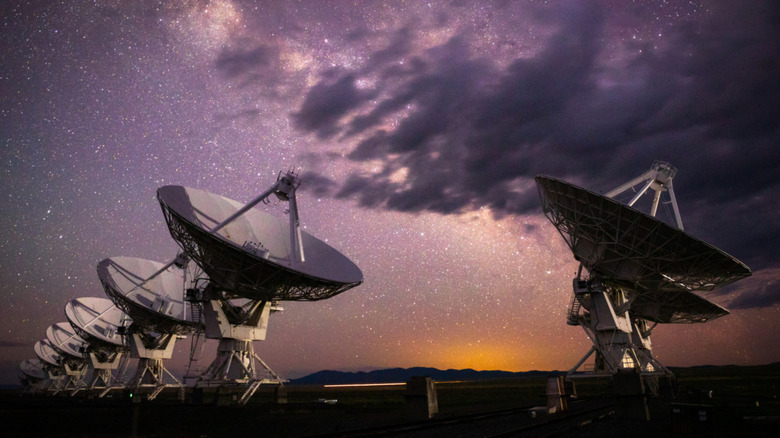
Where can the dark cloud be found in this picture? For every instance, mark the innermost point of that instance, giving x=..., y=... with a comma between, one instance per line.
x=326, y=103
x=258, y=70
x=760, y=290
x=468, y=134
x=317, y=184
x=239, y=61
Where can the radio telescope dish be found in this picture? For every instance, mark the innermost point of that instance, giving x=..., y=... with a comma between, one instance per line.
x=100, y=323
x=33, y=368
x=52, y=365
x=253, y=260
x=633, y=250
x=46, y=352
x=153, y=295
x=251, y=255
x=97, y=320
x=157, y=304
x=641, y=270
x=65, y=340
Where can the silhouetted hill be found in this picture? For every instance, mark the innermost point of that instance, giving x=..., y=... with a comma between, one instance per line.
x=403, y=374
x=393, y=375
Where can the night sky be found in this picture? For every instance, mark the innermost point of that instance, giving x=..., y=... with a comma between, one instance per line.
x=417, y=128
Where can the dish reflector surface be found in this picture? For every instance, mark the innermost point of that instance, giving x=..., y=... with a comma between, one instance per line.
x=33, y=368
x=96, y=320
x=65, y=340
x=157, y=304
x=47, y=353
x=630, y=249
x=251, y=256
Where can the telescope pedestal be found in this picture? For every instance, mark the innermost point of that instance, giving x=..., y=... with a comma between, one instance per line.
x=620, y=342
x=76, y=375
x=57, y=379
x=234, y=364
x=103, y=379
x=151, y=372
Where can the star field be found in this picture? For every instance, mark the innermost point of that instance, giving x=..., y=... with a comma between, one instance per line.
x=417, y=128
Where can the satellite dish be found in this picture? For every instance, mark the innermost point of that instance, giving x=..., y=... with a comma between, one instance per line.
x=153, y=295
x=98, y=321
x=33, y=368
x=65, y=340
x=72, y=349
x=632, y=247
x=46, y=352
x=641, y=270
x=251, y=255
x=52, y=365
x=158, y=304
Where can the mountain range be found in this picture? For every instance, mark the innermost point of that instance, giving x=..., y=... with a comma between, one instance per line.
x=394, y=375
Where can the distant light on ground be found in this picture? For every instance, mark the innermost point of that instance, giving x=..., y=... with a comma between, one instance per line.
x=357, y=385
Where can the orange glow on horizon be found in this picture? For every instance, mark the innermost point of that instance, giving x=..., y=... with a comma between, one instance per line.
x=480, y=357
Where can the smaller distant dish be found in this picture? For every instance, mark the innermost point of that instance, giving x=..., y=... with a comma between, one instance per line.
x=47, y=353
x=97, y=321
x=156, y=304
x=65, y=340
x=33, y=368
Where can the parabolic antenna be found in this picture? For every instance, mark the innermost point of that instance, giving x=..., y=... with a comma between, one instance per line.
x=157, y=304
x=52, y=364
x=47, y=353
x=153, y=295
x=65, y=340
x=33, y=368
x=640, y=269
x=252, y=255
x=73, y=349
x=97, y=321
x=253, y=260
x=628, y=248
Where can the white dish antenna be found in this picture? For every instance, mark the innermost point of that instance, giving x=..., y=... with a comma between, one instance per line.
x=33, y=368
x=65, y=340
x=251, y=253
x=154, y=302
x=641, y=271
x=46, y=352
x=98, y=321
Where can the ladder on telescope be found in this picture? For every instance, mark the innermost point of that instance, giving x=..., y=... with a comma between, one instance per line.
x=573, y=316
x=194, y=370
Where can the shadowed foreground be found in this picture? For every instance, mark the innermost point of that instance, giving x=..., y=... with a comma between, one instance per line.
x=744, y=402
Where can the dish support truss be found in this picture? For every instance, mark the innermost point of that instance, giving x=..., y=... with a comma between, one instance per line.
x=659, y=178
